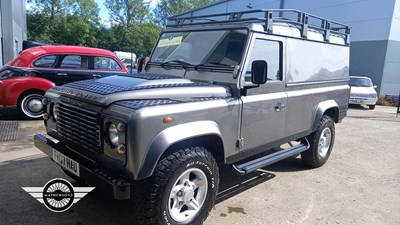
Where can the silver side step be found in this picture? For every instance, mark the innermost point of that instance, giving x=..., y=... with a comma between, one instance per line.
x=267, y=160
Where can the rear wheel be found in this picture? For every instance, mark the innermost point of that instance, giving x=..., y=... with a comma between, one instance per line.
x=182, y=189
x=321, y=143
x=371, y=106
x=30, y=103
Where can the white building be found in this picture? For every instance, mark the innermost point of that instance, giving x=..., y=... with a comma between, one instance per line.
x=12, y=28
x=375, y=34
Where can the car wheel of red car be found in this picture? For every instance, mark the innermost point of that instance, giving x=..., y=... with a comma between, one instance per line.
x=30, y=103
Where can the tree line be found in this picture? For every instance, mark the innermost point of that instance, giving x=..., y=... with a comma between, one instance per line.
x=131, y=26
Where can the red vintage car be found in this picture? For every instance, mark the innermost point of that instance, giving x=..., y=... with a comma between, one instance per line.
x=49, y=66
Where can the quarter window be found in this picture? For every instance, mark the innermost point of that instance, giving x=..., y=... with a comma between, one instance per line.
x=270, y=51
x=47, y=61
x=75, y=62
x=105, y=63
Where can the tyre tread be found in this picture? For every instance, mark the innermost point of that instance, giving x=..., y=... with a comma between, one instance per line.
x=310, y=157
x=152, y=191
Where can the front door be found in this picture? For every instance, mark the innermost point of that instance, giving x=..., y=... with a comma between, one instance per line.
x=264, y=107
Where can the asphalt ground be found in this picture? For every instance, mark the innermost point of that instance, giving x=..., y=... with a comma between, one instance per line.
x=360, y=184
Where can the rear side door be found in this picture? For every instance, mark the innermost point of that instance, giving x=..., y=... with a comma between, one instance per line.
x=264, y=106
x=73, y=67
x=103, y=66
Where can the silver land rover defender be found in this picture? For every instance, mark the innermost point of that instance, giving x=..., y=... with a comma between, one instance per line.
x=218, y=89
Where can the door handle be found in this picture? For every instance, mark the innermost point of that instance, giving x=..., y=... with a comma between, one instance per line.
x=279, y=106
x=95, y=76
x=61, y=74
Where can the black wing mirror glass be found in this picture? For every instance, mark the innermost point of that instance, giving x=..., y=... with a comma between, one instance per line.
x=259, y=72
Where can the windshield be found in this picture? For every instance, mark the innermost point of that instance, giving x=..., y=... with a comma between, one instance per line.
x=224, y=47
x=360, y=82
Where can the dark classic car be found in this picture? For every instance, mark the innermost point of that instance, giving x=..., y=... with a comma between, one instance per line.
x=52, y=65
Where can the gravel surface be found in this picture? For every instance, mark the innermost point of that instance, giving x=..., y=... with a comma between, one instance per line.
x=360, y=184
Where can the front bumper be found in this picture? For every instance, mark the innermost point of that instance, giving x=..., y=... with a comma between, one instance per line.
x=90, y=173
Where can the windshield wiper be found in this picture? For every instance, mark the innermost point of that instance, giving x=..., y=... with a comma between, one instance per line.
x=212, y=64
x=176, y=62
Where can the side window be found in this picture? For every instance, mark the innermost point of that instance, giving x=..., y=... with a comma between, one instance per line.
x=271, y=52
x=47, y=61
x=105, y=63
x=74, y=62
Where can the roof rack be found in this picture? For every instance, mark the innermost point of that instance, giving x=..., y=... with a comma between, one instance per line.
x=300, y=19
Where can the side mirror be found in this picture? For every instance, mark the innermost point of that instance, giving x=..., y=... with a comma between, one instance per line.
x=375, y=86
x=259, y=72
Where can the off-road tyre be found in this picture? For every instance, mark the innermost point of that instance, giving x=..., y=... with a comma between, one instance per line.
x=157, y=191
x=320, y=151
x=371, y=106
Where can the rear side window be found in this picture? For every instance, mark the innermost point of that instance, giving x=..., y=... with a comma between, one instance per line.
x=8, y=74
x=74, y=62
x=106, y=63
x=47, y=61
x=11, y=73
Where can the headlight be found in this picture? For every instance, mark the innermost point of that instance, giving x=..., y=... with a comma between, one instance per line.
x=373, y=95
x=113, y=134
x=55, y=112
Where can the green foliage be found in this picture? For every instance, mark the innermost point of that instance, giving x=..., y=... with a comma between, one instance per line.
x=76, y=22
x=140, y=38
x=127, y=12
x=68, y=22
x=167, y=8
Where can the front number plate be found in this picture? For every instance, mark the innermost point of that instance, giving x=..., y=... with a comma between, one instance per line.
x=65, y=162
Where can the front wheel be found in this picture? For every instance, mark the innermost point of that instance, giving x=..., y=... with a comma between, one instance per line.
x=183, y=188
x=371, y=106
x=321, y=143
x=30, y=103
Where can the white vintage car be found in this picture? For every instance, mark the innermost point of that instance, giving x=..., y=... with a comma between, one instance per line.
x=362, y=91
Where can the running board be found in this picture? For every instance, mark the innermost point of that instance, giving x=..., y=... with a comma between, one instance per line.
x=267, y=160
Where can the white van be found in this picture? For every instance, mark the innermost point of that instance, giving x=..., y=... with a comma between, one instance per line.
x=128, y=58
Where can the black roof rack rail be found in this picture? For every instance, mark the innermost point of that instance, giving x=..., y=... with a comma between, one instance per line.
x=302, y=20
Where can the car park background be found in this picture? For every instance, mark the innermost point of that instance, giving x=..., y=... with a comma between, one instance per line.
x=360, y=184
x=375, y=29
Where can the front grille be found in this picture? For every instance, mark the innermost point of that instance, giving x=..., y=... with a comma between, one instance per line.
x=80, y=127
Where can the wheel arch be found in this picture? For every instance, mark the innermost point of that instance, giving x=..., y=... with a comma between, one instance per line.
x=14, y=88
x=35, y=84
x=329, y=108
x=204, y=133
x=29, y=90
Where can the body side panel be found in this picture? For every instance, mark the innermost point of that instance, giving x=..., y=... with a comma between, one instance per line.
x=11, y=89
x=316, y=72
x=215, y=117
x=305, y=105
